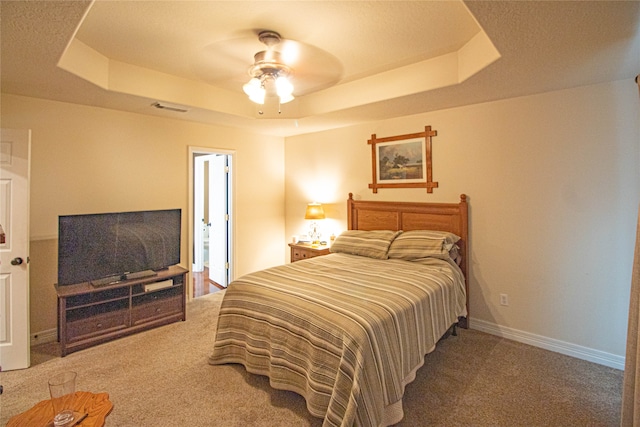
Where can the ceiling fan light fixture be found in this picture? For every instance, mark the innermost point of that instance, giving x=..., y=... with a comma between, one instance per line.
x=286, y=98
x=268, y=65
x=250, y=86
x=255, y=90
x=284, y=89
x=258, y=97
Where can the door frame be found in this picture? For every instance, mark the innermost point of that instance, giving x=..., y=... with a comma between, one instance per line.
x=231, y=195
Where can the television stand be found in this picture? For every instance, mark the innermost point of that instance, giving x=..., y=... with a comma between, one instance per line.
x=89, y=315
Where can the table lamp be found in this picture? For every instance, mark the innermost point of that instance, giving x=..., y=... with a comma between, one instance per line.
x=314, y=212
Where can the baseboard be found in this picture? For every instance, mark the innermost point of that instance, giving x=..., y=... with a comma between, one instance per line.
x=577, y=351
x=562, y=347
x=42, y=337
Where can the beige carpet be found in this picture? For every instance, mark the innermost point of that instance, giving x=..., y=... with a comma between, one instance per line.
x=161, y=378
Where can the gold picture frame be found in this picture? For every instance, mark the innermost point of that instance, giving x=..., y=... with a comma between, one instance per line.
x=402, y=161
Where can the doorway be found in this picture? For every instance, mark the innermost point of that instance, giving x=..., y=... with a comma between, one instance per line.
x=211, y=220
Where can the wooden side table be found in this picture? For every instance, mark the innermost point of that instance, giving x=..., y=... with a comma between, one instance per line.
x=96, y=406
x=301, y=251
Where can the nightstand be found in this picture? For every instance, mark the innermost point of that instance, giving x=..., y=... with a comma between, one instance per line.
x=303, y=251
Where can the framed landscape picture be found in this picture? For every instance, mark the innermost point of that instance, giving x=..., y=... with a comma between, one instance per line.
x=402, y=161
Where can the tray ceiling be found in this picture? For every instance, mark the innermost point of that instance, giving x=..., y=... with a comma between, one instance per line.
x=356, y=61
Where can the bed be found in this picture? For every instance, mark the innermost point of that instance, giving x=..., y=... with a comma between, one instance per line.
x=349, y=330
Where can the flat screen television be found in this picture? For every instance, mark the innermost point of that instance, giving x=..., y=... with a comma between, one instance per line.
x=106, y=247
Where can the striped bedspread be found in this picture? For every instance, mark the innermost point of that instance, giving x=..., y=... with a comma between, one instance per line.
x=343, y=331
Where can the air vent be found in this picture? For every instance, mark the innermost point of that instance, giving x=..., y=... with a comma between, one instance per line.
x=170, y=107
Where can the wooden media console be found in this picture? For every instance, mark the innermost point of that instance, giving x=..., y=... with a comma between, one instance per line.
x=90, y=315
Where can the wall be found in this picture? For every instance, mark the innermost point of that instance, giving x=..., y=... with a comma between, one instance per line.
x=553, y=182
x=87, y=160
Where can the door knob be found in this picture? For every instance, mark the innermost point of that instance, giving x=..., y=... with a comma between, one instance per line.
x=16, y=261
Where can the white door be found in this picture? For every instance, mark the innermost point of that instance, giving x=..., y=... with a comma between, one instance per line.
x=218, y=218
x=14, y=249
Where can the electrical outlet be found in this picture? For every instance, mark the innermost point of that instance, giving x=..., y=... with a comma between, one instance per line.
x=504, y=299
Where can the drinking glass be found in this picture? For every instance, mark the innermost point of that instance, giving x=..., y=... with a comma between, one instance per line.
x=62, y=388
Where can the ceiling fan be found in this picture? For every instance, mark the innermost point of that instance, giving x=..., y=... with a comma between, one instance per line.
x=227, y=63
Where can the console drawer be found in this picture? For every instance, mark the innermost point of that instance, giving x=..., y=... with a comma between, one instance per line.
x=96, y=325
x=156, y=309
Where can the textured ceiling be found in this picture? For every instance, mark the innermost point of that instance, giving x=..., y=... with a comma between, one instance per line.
x=215, y=41
x=357, y=61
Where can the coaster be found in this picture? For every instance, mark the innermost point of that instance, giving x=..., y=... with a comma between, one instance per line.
x=78, y=417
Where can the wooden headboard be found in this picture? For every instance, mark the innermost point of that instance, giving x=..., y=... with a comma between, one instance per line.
x=452, y=217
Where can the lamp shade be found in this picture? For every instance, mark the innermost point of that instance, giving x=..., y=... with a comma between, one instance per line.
x=314, y=211
x=255, y=90
x=284, y=89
